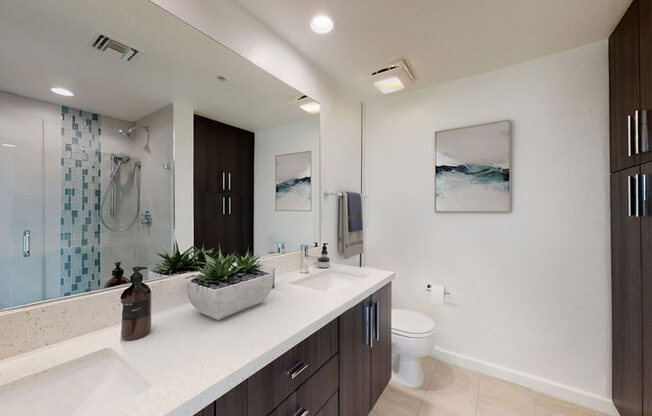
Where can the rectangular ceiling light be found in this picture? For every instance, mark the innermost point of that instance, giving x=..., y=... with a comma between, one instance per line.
x=394, y=77
x=312, y=107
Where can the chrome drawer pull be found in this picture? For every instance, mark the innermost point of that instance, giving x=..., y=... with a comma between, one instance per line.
x=297, y=369
x=301, y=412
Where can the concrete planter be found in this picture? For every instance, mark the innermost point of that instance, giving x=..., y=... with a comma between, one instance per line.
x=219, y=303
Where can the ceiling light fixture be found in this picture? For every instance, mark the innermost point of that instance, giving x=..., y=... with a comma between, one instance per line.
x=394, y=77
x=8, y=145
x=62, y=91
x=312, y=107
x=321, y=24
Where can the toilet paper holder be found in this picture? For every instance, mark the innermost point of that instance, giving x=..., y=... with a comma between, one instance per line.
x=429, y=288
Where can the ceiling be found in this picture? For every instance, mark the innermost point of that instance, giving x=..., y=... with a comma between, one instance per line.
x=46, y=43
x=442, y=40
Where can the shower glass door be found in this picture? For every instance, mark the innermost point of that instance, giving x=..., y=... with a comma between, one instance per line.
x=21, y=210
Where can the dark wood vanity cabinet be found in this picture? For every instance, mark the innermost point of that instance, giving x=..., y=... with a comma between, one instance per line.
x=339, y=370
x=223, y=186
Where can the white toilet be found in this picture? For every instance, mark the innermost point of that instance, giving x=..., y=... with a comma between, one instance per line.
x=413, y=337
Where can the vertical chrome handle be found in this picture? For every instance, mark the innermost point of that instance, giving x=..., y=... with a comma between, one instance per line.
x=632, y=191
x=637, y=199
x=27, y=243
x=229, y=205
x=223, y=181
x=644, y=210
x=223, y=206
x=376, y=308
x=367, y=326
x=629, y=135
x=636, y=135
x=229, y=181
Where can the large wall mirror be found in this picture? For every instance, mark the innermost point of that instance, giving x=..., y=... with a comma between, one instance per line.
x=87, y=146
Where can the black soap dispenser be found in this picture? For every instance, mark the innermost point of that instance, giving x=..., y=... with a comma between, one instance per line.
x=136, y=308
x=323, y=262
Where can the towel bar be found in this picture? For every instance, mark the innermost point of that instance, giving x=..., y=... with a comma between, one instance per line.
x=327, y=194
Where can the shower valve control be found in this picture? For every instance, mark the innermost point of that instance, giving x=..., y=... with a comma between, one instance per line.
x=146, y=218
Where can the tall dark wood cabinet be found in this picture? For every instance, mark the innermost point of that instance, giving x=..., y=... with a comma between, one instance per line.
x=223, y=186
x=630, y=91
x=365, y=353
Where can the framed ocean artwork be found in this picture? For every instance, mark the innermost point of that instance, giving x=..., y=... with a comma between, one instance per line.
x=293, y=182
x=472, y=168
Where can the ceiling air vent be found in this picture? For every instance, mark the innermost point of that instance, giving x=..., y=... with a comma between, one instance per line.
x=104, y=44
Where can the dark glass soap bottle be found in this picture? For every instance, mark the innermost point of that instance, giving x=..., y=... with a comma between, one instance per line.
x=117, y=277
x=136, y=308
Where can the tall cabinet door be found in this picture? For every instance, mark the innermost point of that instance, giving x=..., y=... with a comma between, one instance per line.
x=381, y=352
x=626, y=292
x=624, y=89
x=355, y=360
x=646, y=282
x=645, y=65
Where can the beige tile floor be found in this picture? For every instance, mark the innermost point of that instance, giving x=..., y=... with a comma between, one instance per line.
x=454, y=391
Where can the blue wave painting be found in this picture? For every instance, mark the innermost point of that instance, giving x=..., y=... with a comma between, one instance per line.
x=293, y=182
x=472, y=171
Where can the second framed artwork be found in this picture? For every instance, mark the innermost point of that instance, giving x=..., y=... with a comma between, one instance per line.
x=294, y=182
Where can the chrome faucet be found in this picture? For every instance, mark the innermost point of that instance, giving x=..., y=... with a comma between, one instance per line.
x=303, y=266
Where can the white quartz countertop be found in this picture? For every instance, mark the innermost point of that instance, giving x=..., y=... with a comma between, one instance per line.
x=189, y=360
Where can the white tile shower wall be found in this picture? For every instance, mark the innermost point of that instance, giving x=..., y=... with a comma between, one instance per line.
x=530, y=289
x=291, y=227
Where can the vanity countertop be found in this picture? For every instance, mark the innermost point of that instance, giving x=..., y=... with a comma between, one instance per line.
x=189, y=360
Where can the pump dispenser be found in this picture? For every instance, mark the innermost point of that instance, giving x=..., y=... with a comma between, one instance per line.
x=323, y=262
x=117, y=277
x=136, y=308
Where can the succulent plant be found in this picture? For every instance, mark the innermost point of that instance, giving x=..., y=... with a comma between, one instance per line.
x=248, y=263
x=200, y=255
x=176, y=261
x=219, y=269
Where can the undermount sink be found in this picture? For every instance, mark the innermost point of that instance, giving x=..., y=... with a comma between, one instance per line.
x=330, y=281
x=93, y=384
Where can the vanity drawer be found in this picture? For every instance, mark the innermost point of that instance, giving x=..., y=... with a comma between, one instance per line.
x=271, y=385
x=332, y=407
x=314, y=394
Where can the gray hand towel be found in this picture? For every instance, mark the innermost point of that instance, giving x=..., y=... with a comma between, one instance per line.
x=349, y=243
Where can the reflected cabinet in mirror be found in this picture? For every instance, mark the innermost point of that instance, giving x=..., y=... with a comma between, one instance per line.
x=89, y=134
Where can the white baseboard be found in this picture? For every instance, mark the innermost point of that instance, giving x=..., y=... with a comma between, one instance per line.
x=561, y=391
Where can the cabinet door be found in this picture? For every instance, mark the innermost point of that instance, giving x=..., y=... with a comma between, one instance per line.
x=210, y=220
x=207, y=411
x=233, y=403
x=355, y=361
x=646, y=243
x=624, y=89
x=381, y=351
x=645, y=51
x=626, y=295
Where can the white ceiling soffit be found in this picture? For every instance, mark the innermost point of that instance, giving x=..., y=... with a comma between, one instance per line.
x=441, y=40
x=46, y=43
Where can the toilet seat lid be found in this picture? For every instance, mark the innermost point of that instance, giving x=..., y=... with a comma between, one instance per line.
x=411, y=323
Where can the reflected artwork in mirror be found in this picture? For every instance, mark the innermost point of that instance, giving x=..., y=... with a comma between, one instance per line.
x=89, y=132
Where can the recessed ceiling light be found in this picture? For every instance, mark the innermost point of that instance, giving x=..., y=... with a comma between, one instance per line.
x=312, y=107
x=62, y=91
x=321, y=24
x=389, y=85
x=8, y=145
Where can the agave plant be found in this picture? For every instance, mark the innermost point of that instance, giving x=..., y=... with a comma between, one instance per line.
x=176, y=261
x=200, y=256
x=219, y=269
x=248, y=263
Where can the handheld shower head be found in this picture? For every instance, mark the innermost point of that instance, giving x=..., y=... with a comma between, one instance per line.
x=120, y=158
x=125, y=133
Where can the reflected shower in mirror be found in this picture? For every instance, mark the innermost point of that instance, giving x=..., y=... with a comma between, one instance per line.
x=87, y=145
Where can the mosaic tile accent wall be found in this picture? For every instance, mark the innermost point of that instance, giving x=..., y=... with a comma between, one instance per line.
x=80, y=201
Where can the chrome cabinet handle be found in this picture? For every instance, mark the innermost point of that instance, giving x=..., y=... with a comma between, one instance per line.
x=376, y=308
x=301, y=412
x=368, y=339
x=633, y=204
x=223, y=181
x=229, y=205
x=644, y=197
x=629, y=135
x=229, y=181
x=297, y=369
x=223, y=206
x=645, y=132
x=27, y=243
x=636, y=135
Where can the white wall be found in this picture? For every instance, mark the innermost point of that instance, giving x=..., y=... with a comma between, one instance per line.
x=231, y=25
x=531, y=289
x=291, y=227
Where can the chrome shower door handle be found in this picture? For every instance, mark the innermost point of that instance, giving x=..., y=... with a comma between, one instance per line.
x=27, y=243
x=629, y=135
